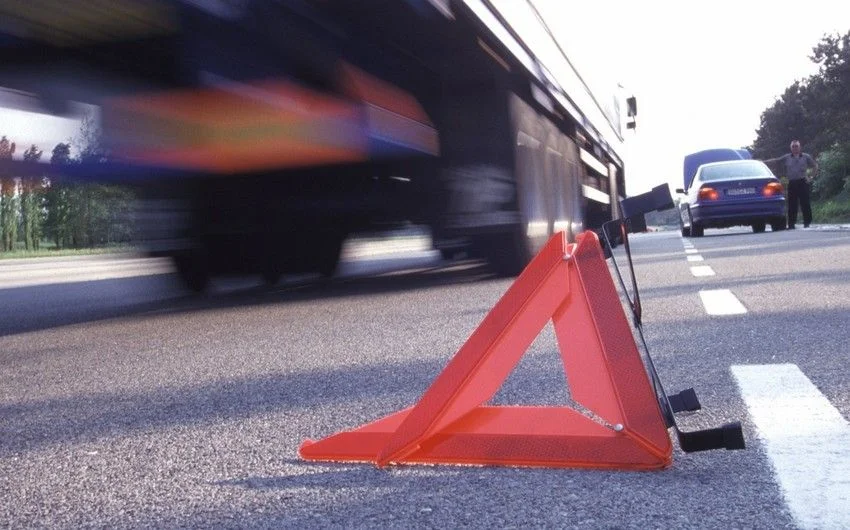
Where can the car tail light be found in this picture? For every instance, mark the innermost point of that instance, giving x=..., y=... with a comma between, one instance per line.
x=708, y=194
x=772, y=188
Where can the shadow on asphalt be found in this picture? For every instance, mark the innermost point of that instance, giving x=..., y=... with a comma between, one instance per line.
x=33, y=308
x=31, y=425
x=34, y=424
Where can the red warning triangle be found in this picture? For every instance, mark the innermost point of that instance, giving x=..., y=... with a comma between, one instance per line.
x=569, y=284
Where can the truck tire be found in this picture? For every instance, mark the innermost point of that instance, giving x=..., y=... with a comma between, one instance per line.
x=273, y=259
x=272, y=272
x=193, y=270
x=507, y=254
x=327, y=255
x=448, y=254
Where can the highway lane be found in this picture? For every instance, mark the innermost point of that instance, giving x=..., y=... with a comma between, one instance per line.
x=46, y=292
x=133, y=405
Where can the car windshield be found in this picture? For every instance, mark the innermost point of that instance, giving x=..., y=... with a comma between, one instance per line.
x=744, y=168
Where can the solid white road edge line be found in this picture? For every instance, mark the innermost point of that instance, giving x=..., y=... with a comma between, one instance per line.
x=806, y=439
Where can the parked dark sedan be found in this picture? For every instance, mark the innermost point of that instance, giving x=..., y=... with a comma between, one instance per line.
x=732, y=193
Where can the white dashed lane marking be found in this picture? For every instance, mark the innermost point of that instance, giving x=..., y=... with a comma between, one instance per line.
x=694, y=257
x=721, y=302
x=691, y=251
x=806, y=439
x=702, y=270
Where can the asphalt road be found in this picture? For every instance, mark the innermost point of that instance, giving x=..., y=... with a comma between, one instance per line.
x=124, y=402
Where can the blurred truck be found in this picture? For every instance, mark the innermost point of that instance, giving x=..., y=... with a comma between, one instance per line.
x=261, y=134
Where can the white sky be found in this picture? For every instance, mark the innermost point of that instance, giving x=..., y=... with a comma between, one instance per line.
x=703, y=72
x=43, y=130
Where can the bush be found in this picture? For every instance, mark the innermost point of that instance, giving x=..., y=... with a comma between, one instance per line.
x=834, y=210
x=834, y=174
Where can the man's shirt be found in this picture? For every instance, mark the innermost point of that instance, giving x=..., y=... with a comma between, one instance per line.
x=795, y=166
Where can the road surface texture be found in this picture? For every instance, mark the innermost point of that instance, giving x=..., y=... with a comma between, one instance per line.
x=127, y=403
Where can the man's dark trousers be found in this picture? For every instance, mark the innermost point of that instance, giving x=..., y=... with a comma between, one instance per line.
x=798, y=193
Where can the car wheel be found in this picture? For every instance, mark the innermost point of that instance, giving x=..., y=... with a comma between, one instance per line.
x=697, y=230
x=778, y=224
x=758, y=227
x=687, y=231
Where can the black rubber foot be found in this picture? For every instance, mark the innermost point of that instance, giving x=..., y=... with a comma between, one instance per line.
x=729, y=436
x=686, y=400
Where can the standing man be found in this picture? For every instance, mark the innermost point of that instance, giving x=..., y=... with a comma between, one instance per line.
x=796, y=164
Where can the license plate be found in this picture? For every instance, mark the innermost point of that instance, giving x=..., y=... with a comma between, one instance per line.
x=741, y=191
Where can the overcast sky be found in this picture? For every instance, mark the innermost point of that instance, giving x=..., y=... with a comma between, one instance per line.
x=43, y=130
x=703, y=72
x=23, y=124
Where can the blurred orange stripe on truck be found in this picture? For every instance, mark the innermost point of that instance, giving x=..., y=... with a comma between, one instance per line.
x=241, y=127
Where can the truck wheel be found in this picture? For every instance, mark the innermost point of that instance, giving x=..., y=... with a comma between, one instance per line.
x=272, y=273
x=448, y=254
x=507, y=254
x=327, y=255
x=193, y=270
x=273, y=259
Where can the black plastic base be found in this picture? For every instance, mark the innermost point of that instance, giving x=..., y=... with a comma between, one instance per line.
x=684, y=401
x=729, y=436
x=659, y=198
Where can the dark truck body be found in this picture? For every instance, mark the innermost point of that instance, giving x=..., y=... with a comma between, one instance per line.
x=261, y=134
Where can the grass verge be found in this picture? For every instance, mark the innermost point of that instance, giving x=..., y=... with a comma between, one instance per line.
x=55, y=253
x=834, y=210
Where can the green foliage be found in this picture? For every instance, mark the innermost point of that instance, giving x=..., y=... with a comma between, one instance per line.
x=58, y=201
x=834, y=165
x=49, y=250
x=88, y=215
x=834, y=210
x=8, y=201
x=61, y=154
x=32, y=203
x=57, y=225
x=72, y=215
x=833, y=56
x=9, y=213
x=792, y=116
x=816, y=111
